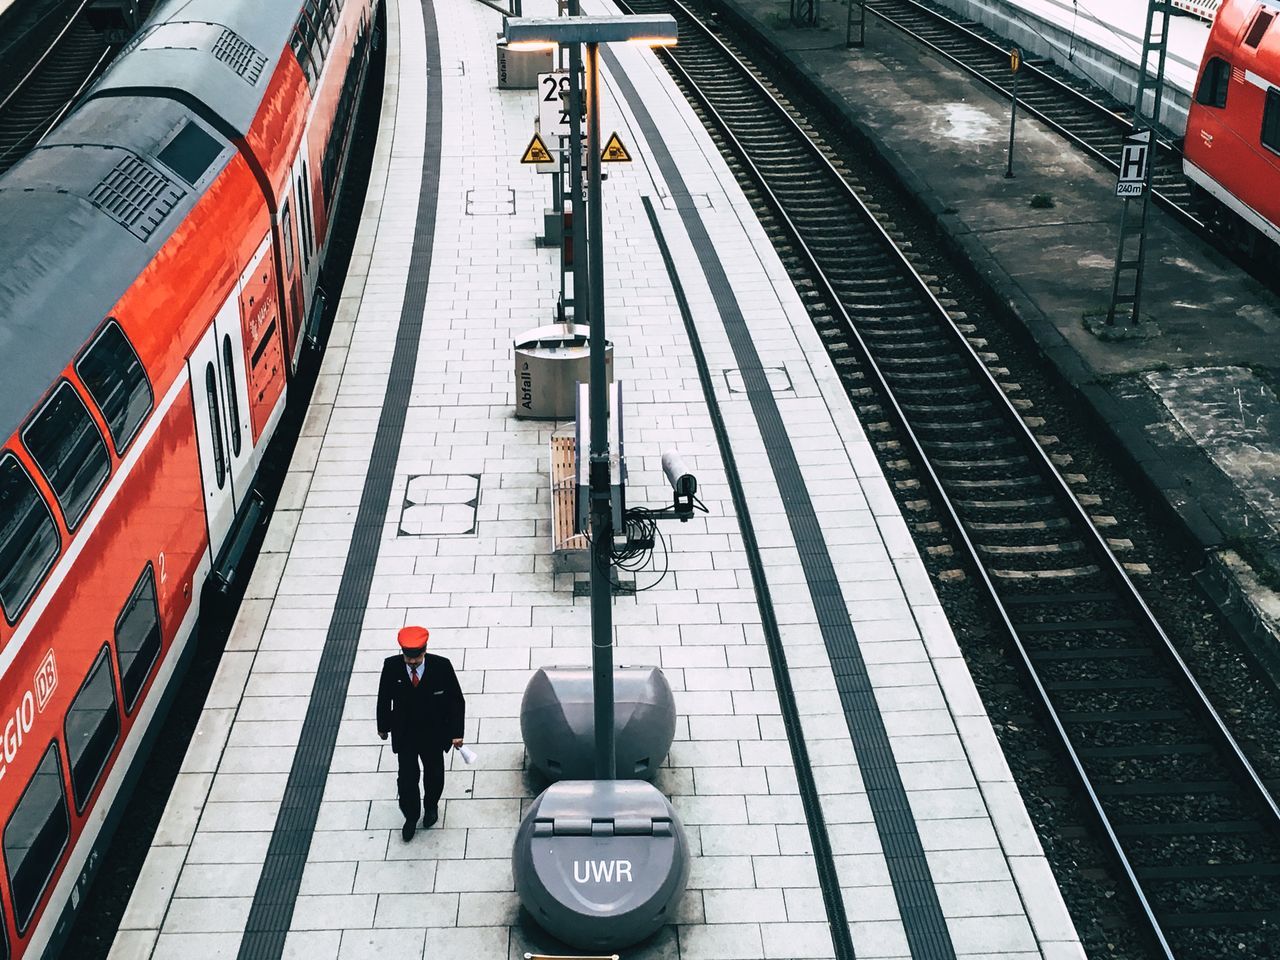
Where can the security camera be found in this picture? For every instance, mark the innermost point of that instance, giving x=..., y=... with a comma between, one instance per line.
x=684, y=483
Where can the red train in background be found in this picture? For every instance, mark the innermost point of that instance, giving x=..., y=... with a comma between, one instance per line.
x=158, y=266
x=1232, y=146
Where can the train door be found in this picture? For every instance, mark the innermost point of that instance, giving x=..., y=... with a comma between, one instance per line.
x=306, y=219
x=218, y=393
x=291, y=281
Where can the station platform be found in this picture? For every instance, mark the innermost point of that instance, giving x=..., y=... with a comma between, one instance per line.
x=1195, y=401
x=415, y=496
x=1101, y=43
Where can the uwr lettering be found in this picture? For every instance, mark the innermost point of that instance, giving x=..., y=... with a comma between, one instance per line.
x=602, y=871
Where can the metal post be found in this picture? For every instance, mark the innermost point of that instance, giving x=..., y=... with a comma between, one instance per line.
x=1013, y=119
x=581, y=278
x=601, y=519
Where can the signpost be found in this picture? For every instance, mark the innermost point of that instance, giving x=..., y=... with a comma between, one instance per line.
x=1135, y=155
x=1015, y=64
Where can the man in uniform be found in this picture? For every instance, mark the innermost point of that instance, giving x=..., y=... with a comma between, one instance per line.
x=421, y=705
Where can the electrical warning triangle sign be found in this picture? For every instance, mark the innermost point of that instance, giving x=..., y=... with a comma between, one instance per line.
x=614, y=151
x=537, y=151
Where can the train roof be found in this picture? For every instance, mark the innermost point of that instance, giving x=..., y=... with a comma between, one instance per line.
x=84, y=214
x=218, y=53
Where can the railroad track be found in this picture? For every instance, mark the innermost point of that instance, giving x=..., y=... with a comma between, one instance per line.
x=1088, y=118
x=1191, y=827
x=44, y=94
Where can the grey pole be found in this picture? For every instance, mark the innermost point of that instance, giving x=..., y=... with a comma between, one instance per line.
x=581, y=278
x=601, y=532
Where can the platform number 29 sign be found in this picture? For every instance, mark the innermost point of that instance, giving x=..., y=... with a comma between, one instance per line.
x=553, y=104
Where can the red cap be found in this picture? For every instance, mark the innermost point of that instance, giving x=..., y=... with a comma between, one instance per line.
x=412, y=639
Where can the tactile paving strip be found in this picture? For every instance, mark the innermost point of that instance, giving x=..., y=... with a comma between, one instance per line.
x=922, y=917
x=277, y=891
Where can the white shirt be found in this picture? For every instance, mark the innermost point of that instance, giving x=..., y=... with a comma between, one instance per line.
x=415, y=672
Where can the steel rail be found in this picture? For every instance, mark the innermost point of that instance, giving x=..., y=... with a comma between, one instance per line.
x=1180, y=211
x=42, y=131
x=71, y=22
x=1031, y=445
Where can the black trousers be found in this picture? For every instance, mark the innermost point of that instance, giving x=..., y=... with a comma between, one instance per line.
x=432, y=760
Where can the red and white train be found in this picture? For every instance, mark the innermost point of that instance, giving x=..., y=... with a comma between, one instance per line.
x=1232, y=146
x=158, y=264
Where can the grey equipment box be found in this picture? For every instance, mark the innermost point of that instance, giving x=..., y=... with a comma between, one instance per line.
x=557, y=721
x=550, y=361
x=519, y=69
x=601, y=864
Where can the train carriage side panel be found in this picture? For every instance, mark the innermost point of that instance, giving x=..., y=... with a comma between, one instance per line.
x=1232, y=147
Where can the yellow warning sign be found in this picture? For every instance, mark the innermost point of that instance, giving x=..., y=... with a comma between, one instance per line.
x=614, y=151
x=537, y=152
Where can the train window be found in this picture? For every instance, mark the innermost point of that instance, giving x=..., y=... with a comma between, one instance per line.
x=233, y=398
x=138, y=638
x=1260, y=24
x=286, y=237
x=301, y=45
x=29, y=541
x=1214, y=83
x=35, y=837
x=1271, y=121
x=115, y=378
x=215, y=425
x=68, y=449
x=190, y=153
x=92, y=728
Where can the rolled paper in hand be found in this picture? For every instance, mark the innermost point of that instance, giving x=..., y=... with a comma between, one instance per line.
x=468, y=755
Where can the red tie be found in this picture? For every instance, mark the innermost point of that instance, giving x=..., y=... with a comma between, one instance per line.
x=413, y=676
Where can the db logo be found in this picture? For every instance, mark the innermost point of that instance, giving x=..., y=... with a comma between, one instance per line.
x=46, y=681
x=33, y=700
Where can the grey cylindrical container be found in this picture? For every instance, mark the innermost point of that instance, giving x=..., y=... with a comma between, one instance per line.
x=557, y=722
x=601, y=864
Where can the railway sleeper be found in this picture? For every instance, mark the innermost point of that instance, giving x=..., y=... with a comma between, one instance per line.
x=1061, y=573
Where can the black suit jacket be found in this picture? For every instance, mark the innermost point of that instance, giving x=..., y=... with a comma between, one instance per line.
x=442, y=707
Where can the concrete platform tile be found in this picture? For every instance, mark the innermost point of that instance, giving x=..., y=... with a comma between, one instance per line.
x=153, y=888
x=797, y=940
x=229, y=848
x=132, y=944
x=1039, y=890
x=328, y=877
x=737, y=840
x=417, y=909
x=475, y=875
x=490, y=843
x=333, y=912
x=207, y=914
x=870, y=903
x=488, y=909
x=206, y=946
x=879, y=938
x=182, y=812
x=992, y=935
x=467, y=942
x=378, y=944
x=215, y=880
x=721, y=873
x=784, y=871
x=745, y=906
x=721, y=941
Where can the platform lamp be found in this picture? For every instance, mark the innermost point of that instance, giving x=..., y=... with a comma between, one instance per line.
x=654, y=30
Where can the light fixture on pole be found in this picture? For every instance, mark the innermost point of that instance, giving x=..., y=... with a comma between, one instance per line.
x=538, y=32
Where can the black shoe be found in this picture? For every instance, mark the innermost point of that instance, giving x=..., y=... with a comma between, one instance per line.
x=430, y=817
x=407, y=830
